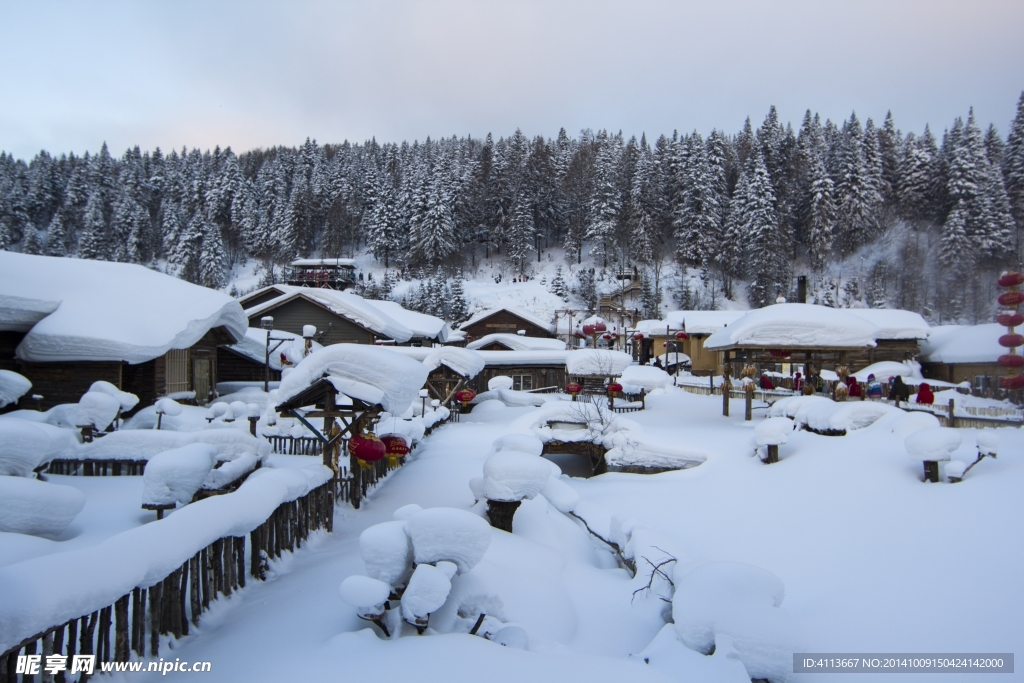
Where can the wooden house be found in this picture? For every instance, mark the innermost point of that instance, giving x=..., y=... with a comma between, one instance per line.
x=144, y=332
x=529, y=370
x=965, y=353
x=325, y=273
x=660, y=339
x=508, y=320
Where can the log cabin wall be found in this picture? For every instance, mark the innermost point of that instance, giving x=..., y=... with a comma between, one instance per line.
x=66, y=382
x=291, y=315
x=505, y=322
x=541, y=376
x=234, y=367
x=8, y=345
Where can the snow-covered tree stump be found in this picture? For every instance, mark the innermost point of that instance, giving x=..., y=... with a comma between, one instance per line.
x=932, y=446
x=501, y=512
x=511, y=477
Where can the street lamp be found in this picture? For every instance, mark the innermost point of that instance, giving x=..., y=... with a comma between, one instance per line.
x=267, y=323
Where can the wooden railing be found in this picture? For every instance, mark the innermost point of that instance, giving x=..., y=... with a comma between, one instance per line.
x=97, y=468
x=290, y=445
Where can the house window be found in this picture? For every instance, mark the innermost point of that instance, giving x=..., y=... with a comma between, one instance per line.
x=522, y=382
x=177, y=370
x=982, y=383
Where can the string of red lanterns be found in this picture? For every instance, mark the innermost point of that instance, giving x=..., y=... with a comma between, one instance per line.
x=1011, y=318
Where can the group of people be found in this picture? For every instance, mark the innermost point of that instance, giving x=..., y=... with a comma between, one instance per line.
x=898, y=391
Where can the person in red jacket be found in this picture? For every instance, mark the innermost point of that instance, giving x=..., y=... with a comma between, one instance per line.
x=925, y=395
x=798, y=383
x=855, y=390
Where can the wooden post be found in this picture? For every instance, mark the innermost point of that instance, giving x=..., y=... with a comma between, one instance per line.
x=952, y=416
x=749, y=413
x=931, y=471
x=501, y=512
x=773, y=454
x=121, y=629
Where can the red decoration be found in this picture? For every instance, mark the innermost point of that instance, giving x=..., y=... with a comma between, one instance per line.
x=638, y=336
x=1011, y=280
x=599, y=327
x=465, y=396
x=1011, y=340
x=395, y=445
x=574, y=388
x=1010, y=319
x=589, y=329
x=606, y=336
x=1011, y=360
x=780, y=353
x=1011, y=299
x=366, y=447
x=614, y=388
x=681, y=336
x=1012, y=383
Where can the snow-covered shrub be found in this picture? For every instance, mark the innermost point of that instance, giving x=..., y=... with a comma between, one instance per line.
x=739, y=601
x=426, y=593
x=386, y=552
x=512, y=476
x=932, y=446
x=175, y=475
x=367, y=595
x=126, y=399
x=988, y=443
x=499, y=382
x=30, y=506
x=774, y=431
x=448, y=534
x=25, y=445
x=96, y=409
x=12, y=387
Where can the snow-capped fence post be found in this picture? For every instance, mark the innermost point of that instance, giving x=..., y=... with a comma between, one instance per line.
x=748, y=414
x=726, y=387
x=951, y=417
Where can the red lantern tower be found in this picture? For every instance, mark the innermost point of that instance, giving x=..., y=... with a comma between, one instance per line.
x=1011, y=318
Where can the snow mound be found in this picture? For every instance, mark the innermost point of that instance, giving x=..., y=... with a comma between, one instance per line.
x=427, y=591
x=231, y=471
x=792, y=405
x=514, y=399
x=30, y=506
x=448, y=534
x=168, y=406
x=844, y=416
x=774, y=431
x=910, y=371
x=909, y=423
x=796, y=326
x=630, y=449
x=525, y=443
x=739, y=601
x=12, y=387
x=127, y=399
x=516, y=342
x=499, y=382
x=368, y=373
x=72, y=321
x=512, y=475
x=461, y=361
x=25, y=445
x=646, y=377
x=386, y=551
x=988, y=442
x=364, y=592
x=142, y=444
x=597, y=362
x=932, y=444
x=96, y=409
x=405, y=512
x=562, y=496
x=176, y=475
x=955, y=469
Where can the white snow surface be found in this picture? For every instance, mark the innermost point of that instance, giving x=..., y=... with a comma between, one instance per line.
x=910, y=371
x=369, y=373
x=646, y=377
x=76, y=319
x=796, y=326
x=386, y=551
x=548, y=357
x=500, y=382
x=174, y=476
x=427, y=591
x=524, y=443
x=774, y=431
x=523, y=313
x=988, y=442
x=254, y=347
x=461, y=361
x=894, y=323
x=143, y=444
x=963, y=344
x=363, y=591
x=126, y=399
x=448, y=534
x=740, y=601
x=230, y=471
x=30, y=506
x=932, y=444
x=12, y=387
x=597, y=362
x=97, y=409
x=422, y=325
x=26, y=445
x=512, y=475
x=914, y=422
x=518, y=342
x=560, y=494
x=955, y=468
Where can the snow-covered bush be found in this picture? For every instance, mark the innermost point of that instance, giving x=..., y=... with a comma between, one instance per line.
x=12, y=387
x=932, y=446
x=426, y=593
x=29, y=506
x=24, y=445
x=126, y=399
x=736, y=600
x=774, y=431
x=509, y=478
x=174, y=476
x=448, y=534
x=96, y=409
x=387, y=552
x=367, y=595
x=499, y=382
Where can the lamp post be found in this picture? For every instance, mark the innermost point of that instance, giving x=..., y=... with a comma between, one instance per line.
x=267, y=323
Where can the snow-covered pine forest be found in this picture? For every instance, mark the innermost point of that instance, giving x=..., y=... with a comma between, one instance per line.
x=874, y=215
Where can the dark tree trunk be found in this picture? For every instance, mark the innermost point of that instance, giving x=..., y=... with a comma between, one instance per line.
x=500, y=513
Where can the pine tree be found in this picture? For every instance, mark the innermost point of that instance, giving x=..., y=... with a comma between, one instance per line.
x=458, y=309
x=857, y=195
x=821, y=216
x=769, y=261
x=520, y=235
x=35, y=243
x=605, y=204
x=558, y=285
x=587, y=289
x=93, y=244
x=1013, y=171
x=57, y=237
x=697, y=219
x=212, y=259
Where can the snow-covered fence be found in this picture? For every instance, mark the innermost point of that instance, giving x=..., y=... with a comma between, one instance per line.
x=292, y=445
x=153, y=606
x=97, y=468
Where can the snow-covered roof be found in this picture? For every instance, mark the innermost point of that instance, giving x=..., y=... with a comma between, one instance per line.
x=693, y=322
x=368, y=373
x=796, y=326
x=319, y=262
x=894, y=323
x=514, y=310
x=254, y=346
x=963, y=344
x=597, y=362
x=518, y=342
x=462, y=361
x=79, y=310
x=348, y=305
x=524, y=357
x=421, y=324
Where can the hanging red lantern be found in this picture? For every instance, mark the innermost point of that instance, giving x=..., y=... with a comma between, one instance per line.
x=681, y=336
x=579, y=335
x=395, y=447
x=1011, y=340
x=1011, y=360
x=1010, y=319
x=639, y=336
x=1011, y=279
x=366, y=447
x=1012, y=383
x=599, y=326
x=573, y=388
x=780, y=353
x=1011, y=299
x=606, y=336
x=589, y=329
x=465, y=396
x=614, y=388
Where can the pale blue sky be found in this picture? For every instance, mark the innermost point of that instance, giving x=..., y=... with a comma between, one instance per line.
x=248, y=74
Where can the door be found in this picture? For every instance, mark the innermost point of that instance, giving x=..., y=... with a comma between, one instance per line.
x=201, y=379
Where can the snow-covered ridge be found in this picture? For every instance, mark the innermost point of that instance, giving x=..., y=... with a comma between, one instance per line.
x=517, y=342
x=963, y=344
x=523, y=313
x=795, y=326
x=99, y=311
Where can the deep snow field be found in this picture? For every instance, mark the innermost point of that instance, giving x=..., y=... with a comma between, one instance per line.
x=872, y=560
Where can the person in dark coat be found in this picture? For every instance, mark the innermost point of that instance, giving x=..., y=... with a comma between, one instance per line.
x=925, y=395
x=899, y=391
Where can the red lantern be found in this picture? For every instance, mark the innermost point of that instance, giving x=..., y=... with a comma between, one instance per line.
x=614, y=388
x=589, y=329
x=606, y=336
x=395, y=448
x=1011, y=360
x=366, y=447
x=599, y=326
x=465, y=396
x=780, y=353
x=579, y=335
x=574, y=388
x=1011, y=383
x=681, y=336
x=1011, y=340
x=1010, y=319
x=1011, y=280
x=1011, y=299
x=639, y=336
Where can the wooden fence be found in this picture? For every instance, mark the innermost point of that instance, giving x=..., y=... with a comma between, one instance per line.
x=290, y=445
x=97, y=468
